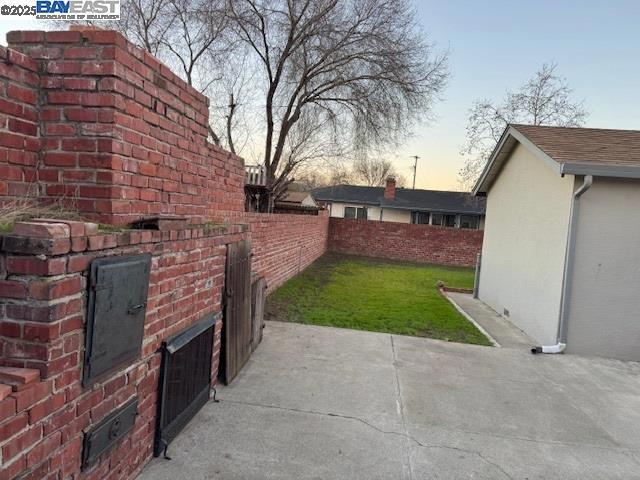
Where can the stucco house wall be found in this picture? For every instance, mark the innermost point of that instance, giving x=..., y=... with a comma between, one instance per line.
x=373, y=213
x=524, y=245
x=604, y=302
x=336, y=210
x=395, y=215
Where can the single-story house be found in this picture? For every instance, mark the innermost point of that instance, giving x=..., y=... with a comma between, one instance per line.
x=403, y=205
x=561, y=251
x=297, y=202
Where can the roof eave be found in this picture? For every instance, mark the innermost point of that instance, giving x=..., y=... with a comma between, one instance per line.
x=600, y=170
x=342, y=200
x=436, y=210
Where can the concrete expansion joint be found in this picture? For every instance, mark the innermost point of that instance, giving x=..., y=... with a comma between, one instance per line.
x=411, y=438
x=400, y=405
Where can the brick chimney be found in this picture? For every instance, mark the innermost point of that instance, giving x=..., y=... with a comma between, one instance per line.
x=390, y=189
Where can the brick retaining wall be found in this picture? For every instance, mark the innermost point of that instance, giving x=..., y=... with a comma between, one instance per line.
x=44, y=303
x=285, y=244
x=403, y=241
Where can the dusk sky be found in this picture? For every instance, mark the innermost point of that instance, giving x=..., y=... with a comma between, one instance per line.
x=498, y=45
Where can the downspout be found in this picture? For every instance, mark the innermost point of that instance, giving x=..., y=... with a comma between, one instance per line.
x=476, y=280
x=567, y=275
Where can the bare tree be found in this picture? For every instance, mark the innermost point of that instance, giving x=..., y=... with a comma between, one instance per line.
x=195, y=40
x=144, y=22
x=373, y=172
x=545, y=99
x=333, y=73
x=311, y=176
x=364, y=171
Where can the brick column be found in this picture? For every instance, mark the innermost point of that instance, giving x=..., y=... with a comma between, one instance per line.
x=122, y=137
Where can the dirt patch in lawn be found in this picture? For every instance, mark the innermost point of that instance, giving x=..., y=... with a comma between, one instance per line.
x=376, y=295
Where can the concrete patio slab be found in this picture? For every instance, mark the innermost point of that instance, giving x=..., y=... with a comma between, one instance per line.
x=499, y=328
x=325, y=403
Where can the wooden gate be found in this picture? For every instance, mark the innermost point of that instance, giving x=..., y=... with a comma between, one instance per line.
x=258, y=295
x=236, y=328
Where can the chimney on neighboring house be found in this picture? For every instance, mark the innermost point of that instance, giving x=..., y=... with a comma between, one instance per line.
x=390, y=189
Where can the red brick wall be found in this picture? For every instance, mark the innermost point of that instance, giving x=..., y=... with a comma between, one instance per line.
x=403, y=241
x=285, y=244
x=43, y=286
x=88, y=120
x=121, y=136
x=19, y=144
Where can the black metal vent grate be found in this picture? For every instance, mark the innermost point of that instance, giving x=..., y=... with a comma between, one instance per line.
x=108, y=432
x=185, y=379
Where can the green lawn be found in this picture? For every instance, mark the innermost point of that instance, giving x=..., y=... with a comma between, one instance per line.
x=377, y=295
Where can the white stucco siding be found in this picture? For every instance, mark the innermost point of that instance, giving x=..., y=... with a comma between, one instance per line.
x=604, y=305
x=524, y=244
x=395, y=215
x=336, y=209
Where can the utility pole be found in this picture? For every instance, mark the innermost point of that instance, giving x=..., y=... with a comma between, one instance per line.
x=415, y=168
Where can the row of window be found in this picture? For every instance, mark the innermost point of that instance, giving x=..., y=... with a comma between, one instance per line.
x=355, y=212
x=446, y=220
x=425, y=218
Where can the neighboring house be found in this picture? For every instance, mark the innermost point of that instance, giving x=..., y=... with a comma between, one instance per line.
x=394, y=204
x=297, y=202
x=561, y=251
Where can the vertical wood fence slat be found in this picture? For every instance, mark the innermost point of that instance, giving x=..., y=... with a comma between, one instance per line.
x=237, y=323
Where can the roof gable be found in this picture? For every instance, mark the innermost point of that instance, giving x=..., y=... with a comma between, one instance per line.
x=578, y=151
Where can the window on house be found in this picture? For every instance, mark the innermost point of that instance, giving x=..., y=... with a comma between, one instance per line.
x=449, y=220
x=469, y=221
x=420, y=218
x=355, y=212
x=444, y=220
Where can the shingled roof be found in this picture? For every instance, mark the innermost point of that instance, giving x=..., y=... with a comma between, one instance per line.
x=585, y=145
x=569, y=150
x=405, y=199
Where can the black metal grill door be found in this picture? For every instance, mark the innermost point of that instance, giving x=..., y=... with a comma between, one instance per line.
x=185, y=379
x=116, y=310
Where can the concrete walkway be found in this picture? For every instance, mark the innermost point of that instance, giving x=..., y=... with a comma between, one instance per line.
x=505, y=333
x=323, y=403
